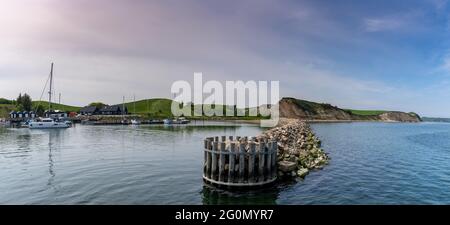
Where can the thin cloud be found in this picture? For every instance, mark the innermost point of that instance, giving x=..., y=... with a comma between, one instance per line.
x=382, y=24
x=399, y=22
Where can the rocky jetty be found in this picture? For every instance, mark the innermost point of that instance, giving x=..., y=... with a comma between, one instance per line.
x=298, y=148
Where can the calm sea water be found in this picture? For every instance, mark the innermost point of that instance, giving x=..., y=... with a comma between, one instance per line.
x=371, y=163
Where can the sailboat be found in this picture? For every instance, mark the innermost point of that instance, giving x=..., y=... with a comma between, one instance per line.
x=135, y=121
x=48, y=123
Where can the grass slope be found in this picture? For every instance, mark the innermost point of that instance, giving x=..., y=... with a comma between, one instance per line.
x=5, y=109
x=56, y=106
x=312, y=107
x=366, y=112
x=157, y=107
x=161, y=108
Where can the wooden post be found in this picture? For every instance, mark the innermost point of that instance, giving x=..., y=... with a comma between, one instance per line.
x=241, y=162
x=230, y=138
x=269, y=160
x=274, y=158
x=205, y=157
x=261, y=150
x=224, y=138
x=208, y=159
x=251, y=163
x=216, y=139
x=214, y=161
x=222, y=161
x=231, y=163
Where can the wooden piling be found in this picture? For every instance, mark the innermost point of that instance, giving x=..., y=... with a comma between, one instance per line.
x=268, y=156
x=261, y=151
x=274, y=158
x=208, y=158
x=231, y=163
x=242, y=162
x=222, y=161
x=251, y=163
x=214, y=161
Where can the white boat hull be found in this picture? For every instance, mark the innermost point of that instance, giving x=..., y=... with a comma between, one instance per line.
x=135, y=122
x=48, y=125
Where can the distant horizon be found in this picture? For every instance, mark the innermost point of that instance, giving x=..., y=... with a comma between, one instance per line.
x=392, y=55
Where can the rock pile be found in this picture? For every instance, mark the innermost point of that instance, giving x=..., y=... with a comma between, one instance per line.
x=298, y=148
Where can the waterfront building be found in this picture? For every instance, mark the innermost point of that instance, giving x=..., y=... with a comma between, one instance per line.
x=114, y=110
x=89, y=111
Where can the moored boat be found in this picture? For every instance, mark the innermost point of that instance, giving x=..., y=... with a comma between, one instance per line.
x=47, y=123
x=167, y=121
x=135, y=122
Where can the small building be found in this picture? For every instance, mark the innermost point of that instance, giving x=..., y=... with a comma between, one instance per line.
x=55, y=114
x=89, y=110
x=13, y=114
x=114, y=110
x=72, y=114
x=22, y=115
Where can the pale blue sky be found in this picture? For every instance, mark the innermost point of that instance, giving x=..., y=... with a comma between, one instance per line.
x=390, y=55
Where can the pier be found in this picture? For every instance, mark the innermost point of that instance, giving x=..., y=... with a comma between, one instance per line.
x=239, y=161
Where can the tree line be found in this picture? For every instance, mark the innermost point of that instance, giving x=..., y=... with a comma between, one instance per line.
x=25, y=103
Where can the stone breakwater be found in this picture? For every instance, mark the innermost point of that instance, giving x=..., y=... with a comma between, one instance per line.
x=299, y=150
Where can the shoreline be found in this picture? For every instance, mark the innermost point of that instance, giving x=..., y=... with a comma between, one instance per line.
x=257, y=121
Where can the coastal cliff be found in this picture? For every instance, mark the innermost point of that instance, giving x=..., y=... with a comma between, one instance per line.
x=311, y=111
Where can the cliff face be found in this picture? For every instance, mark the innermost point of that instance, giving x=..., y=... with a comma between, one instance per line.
x=305, y=110
x=399, y=117
x=300, y=109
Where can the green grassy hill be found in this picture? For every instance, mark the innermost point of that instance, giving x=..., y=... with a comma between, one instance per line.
x=366, y=112
x=161, y=108
x=5, y=109
x=156, y=107
x=56, y=106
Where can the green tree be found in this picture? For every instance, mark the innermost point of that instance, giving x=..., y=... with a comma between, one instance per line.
x=40, y=110
x=26, y=102
x=19, y=100
x=23, y=102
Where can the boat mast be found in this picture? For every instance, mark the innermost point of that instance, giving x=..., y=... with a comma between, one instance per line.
x=50, y=91
x=123, y=107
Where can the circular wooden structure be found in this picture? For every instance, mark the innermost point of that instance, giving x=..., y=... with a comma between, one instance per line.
x=239, y=162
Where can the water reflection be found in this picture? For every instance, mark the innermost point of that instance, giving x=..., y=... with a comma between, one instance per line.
x=54, y=137
x=23, y=142
x=262, y=196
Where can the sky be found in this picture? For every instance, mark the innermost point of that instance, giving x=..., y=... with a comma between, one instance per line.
x=390, y=55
